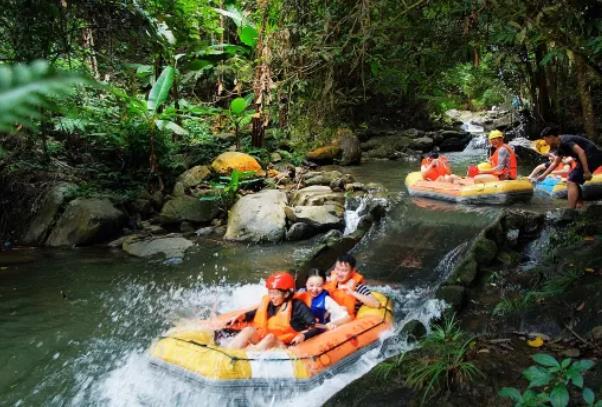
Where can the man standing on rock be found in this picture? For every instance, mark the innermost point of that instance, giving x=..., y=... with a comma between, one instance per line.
x=587, y=155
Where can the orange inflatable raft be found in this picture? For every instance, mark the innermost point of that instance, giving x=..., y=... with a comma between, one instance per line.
x=193, y=352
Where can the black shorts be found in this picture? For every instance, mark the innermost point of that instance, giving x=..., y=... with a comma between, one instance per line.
x=576, y=175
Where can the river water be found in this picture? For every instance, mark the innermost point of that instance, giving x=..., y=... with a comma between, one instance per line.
x=75, y=324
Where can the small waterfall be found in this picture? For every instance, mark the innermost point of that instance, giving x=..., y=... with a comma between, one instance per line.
x=354, y=210
x=478, y=143
x=472, y=128
x=449, y=261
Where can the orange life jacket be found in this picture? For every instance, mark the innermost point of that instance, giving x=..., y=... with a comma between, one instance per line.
x=597, y=171
x=512, y=171
x=442, y=168
x=305, y=297
x=278, y=324
x=341, y=297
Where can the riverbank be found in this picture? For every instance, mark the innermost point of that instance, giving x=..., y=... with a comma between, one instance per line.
x=549, y=303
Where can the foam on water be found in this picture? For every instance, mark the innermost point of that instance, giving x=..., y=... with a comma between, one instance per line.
x=127, y=378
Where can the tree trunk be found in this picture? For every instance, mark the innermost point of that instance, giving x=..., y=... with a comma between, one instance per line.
x=262, y=82
x=585, y=96
x=543, y=94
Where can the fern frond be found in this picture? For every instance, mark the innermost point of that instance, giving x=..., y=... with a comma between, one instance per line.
x=26, y=89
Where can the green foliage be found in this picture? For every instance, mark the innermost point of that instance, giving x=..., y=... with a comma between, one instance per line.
x=440, y=362
x=25, y=90
x=554, y=378
x=226, y=188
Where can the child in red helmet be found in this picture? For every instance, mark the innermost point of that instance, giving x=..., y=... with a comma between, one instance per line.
x=278, y=321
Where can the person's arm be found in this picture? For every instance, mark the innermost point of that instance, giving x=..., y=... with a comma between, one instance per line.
x=551, y=168
x=303, y=321
x=365, y=297
x=583, y=160
x=426, y=168
x=338, y=313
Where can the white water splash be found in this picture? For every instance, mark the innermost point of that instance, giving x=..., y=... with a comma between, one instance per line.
x=133, y=381
x=353, y=216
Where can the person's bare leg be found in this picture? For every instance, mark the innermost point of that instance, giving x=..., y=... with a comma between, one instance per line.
x=242, y=339
x=573, y=195
x=269, y=341
x=484, y=178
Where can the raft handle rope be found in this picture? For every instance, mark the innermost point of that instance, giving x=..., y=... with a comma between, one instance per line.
x=234, y=359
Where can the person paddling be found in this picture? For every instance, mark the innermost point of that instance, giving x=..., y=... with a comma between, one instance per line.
x=327, y=311
x=279, y=320
x=587, y=155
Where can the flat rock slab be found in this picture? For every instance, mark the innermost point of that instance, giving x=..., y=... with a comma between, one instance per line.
x=168, y=246
x=317, y=195
x=326, y=216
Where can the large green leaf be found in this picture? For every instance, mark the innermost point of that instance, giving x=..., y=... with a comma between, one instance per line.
x=26, y=89
x=588, y=396
x=169, y=125
x=248, y=35
x=537, y=376
x=238, y=105
x=545, y=360
x=511, y=393
x=160, y=91
x=559, y=396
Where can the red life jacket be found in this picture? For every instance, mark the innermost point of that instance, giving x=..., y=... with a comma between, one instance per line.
x=441, y=168
x=341, y=297
x=278, y=324
x=510, y=172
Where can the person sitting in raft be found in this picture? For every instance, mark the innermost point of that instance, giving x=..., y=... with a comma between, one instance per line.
x=503, y=161
x=326, y=310
x=346, y=286
x=587, y=155
x=279, y=320
x=436, y=167
x=567, y=166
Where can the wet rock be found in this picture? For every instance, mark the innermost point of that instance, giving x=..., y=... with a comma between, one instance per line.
x=508, y=258
x=539, y=320
x=258, y=217
x=323, y=178
x=349, y=143
x=385, y=146
x=484, y=250
x=232, y=160
x=413, y=133
x=316, y=195
x=355, y=186
x=47, y=213
x=142, y=206
x=187, y=208
x=300, y=231
x=86, y=221
x=414, y=330
x=528, y=155
x=171, y=246
x=512, y=236
x=206, y=231
x=320, y=217
x=186, y=227
x=454, y=295
x=324, y=155
x=465, y=273
x=422, y=144
x=453, y=140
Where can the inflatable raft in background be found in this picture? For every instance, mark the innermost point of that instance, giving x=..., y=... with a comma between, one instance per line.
x=490, y=193
x=540, y=146
x=556, y=187
x=194, y=353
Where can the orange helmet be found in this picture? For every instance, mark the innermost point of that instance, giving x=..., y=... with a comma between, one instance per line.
x=280, y=280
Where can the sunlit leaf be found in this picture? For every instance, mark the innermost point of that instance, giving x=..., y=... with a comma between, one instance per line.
x=248, y=35
x=160, y=91
x=238, y=105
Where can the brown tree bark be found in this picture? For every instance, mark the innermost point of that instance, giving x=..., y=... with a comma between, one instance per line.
x=544, y=107
x=585, y=96
x=262, y=82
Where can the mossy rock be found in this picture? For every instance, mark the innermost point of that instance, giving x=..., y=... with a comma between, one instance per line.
x=466, y=272
x=484, y=250
x=454, y=295
x=508, y=258
x=414, y=330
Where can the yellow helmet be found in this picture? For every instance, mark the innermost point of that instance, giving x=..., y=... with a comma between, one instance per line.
x=493, y=134
x=484, y=167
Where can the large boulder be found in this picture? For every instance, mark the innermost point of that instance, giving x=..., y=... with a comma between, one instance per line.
x=320, y=217
x=349, y=143
x=169, y=246
x=387, y=146
x=233, y=160
x=187, y=208
x=86, y=221
x=46, y=214
x=317, y=195
x=324, y=155
x=258, y=217
x=422, y=143
x=325, y=178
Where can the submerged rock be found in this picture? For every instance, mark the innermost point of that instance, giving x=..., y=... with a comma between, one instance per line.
x=300, y=231
x=86, y=221
x=259, y=217
x=170, y=246
x=414, y=330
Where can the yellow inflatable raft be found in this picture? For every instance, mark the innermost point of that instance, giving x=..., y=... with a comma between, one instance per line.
x=195, y=354
x=491, y=193
x=556, y=187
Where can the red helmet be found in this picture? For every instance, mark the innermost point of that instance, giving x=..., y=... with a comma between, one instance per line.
x=280, y=280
